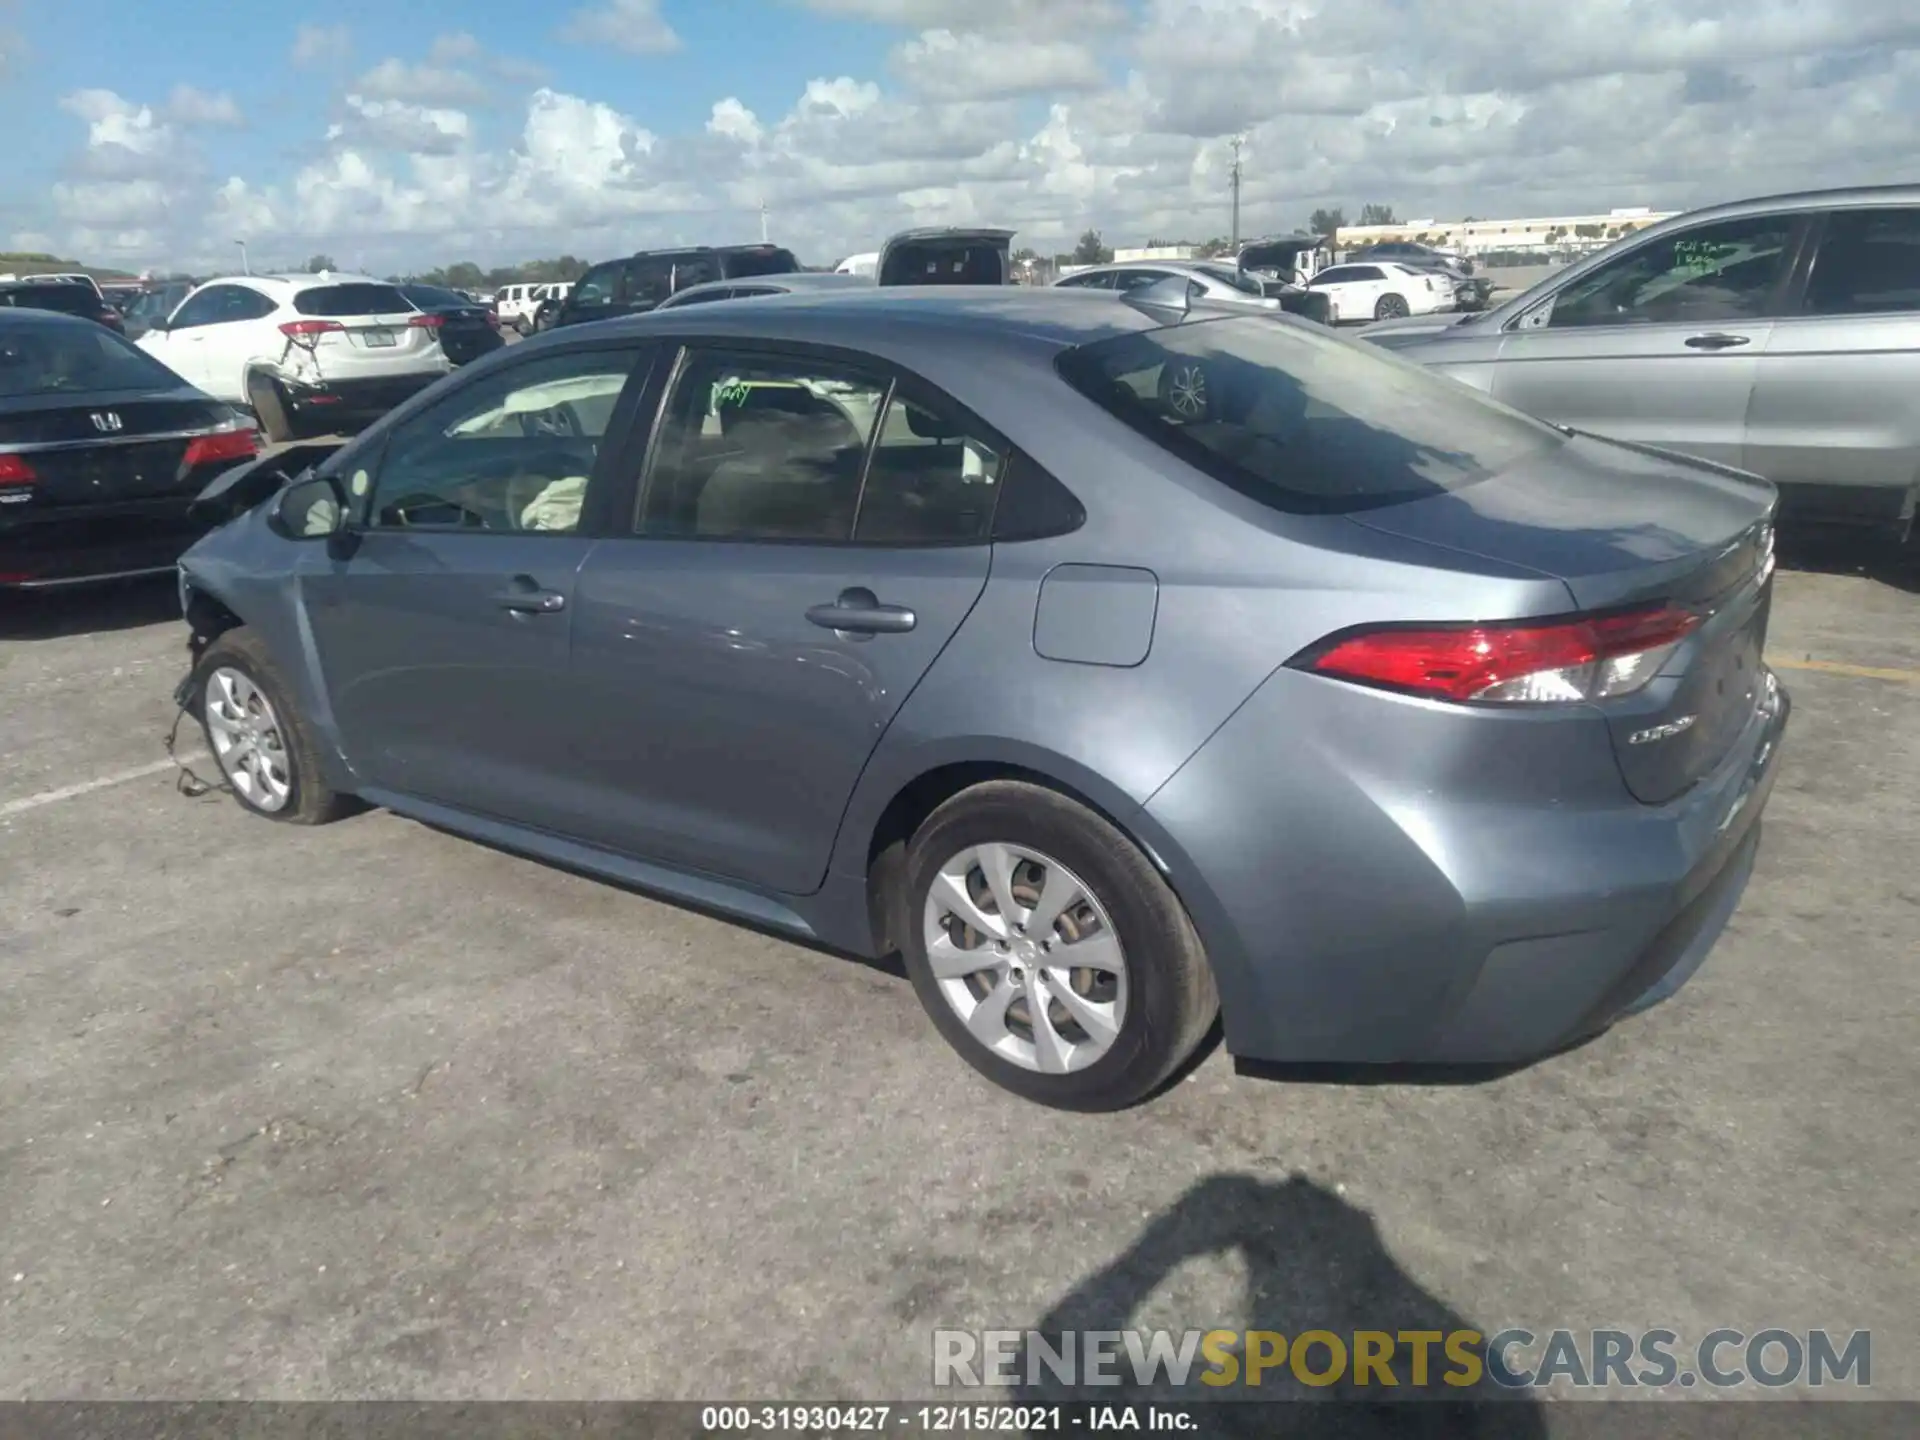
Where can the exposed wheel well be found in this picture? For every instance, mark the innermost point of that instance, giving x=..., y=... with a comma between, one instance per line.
x=908, y=811
x=208, y=620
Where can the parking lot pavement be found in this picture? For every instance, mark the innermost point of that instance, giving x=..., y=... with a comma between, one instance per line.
x=369, y=1110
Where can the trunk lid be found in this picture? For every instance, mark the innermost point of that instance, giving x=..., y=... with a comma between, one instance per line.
x=106, y=448
x=1621, y=526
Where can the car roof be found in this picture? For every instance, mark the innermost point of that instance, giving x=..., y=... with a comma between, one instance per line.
x=791, y=281
x=941, y=331
x=294, y=284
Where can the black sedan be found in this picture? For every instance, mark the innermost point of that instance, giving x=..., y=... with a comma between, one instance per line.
x=468, y=329
x=102, y=449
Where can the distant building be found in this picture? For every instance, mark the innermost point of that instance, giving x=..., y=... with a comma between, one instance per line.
x=1546, y=233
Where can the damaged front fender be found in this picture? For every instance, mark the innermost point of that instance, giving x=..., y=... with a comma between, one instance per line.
x=234, y=492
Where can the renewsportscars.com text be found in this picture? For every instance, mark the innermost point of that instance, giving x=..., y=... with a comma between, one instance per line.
x=1403, y=1360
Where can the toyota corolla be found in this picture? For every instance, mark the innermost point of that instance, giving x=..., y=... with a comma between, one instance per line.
x=1341, y=703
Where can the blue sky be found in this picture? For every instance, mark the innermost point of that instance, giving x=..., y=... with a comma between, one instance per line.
x=427, y=131
x=748, y=48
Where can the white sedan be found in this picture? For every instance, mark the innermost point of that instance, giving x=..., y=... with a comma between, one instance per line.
x=1382, y=290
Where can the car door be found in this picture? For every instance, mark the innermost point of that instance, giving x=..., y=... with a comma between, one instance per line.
x=1833, y=420
x=182, y=346
x=811, y=531
x=1660, y=345
x=441, y=625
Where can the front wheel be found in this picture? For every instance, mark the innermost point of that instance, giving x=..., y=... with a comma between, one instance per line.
x=262, y=744
x=1048, y=950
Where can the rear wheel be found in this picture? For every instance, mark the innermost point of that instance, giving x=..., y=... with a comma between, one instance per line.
x=1391, y=307
x=1049, y=952
x=263, y=395
x=1184, y=390
x=262, y=744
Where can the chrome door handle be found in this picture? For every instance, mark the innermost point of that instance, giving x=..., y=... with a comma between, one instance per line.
x=1716, y=341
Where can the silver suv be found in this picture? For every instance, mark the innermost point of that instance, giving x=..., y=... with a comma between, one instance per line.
x=1780, y=335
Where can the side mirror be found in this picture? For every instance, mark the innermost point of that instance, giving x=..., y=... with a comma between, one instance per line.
x=310, y=509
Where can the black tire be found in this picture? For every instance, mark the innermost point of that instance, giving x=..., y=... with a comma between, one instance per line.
x=264, y=398
x=1392, y=307
x=1171, y=1002
x=1186, y=390
x=309, y=800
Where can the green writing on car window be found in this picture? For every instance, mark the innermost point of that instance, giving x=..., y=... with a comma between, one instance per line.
x=731, y=392
x=1700, y=257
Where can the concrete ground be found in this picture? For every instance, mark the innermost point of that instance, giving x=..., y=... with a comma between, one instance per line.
x=371, y=1111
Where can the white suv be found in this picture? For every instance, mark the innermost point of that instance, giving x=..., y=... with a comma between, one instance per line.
x=304, y=352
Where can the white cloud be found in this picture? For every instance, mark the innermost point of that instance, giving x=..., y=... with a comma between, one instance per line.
x=1022, y=18
x=457, y=48
x=315, y=45
x=427, y=84
x=396, y=125
x=188, y=106
x=1527, y=109
x=634, y=26
x=942, y=65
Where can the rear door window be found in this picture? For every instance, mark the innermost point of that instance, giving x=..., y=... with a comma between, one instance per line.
x=335, y=302
x=932, y=480
x=1302, y=421
x=1868, y=264
x=760, y=448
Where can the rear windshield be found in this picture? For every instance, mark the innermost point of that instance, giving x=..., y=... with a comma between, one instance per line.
x=67, y=299
x=51, y=358
x=741, y=264
x=336, y=301
x=432, y=295
x=1300, y=420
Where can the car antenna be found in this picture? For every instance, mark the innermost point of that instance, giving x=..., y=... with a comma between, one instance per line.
x=1166, y=300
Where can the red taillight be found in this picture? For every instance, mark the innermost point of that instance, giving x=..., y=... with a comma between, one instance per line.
x=307, y=329
x=427, y=322
x=15, y=471
x=1589, y=658
x=493, y=320
x=241, y=444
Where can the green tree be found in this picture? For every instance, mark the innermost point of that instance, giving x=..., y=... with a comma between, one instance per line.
x=317, y=263
x=1589, y=232
x=1091, y=250
x=1377, y=215
x=1327, y=222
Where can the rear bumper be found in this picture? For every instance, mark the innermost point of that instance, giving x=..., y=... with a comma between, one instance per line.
x=339, y=405
x=1889, y=506
x=85, y=548
x=1354, y=918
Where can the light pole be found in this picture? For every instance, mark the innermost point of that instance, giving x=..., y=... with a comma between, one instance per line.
x=245, y=268
x=1234, y=180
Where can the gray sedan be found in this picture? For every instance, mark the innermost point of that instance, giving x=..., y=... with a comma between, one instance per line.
x=1780, y=335
x=1373, y=718
x=1208, y=282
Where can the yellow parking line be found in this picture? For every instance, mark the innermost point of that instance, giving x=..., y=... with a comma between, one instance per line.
x=1859, y=672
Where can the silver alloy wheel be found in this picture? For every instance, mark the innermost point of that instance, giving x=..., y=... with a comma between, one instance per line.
x=1027, y=956
x=247, y=740
x=1187, y=391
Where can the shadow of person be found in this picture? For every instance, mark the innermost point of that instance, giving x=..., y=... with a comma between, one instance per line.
x=1313, y=1263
